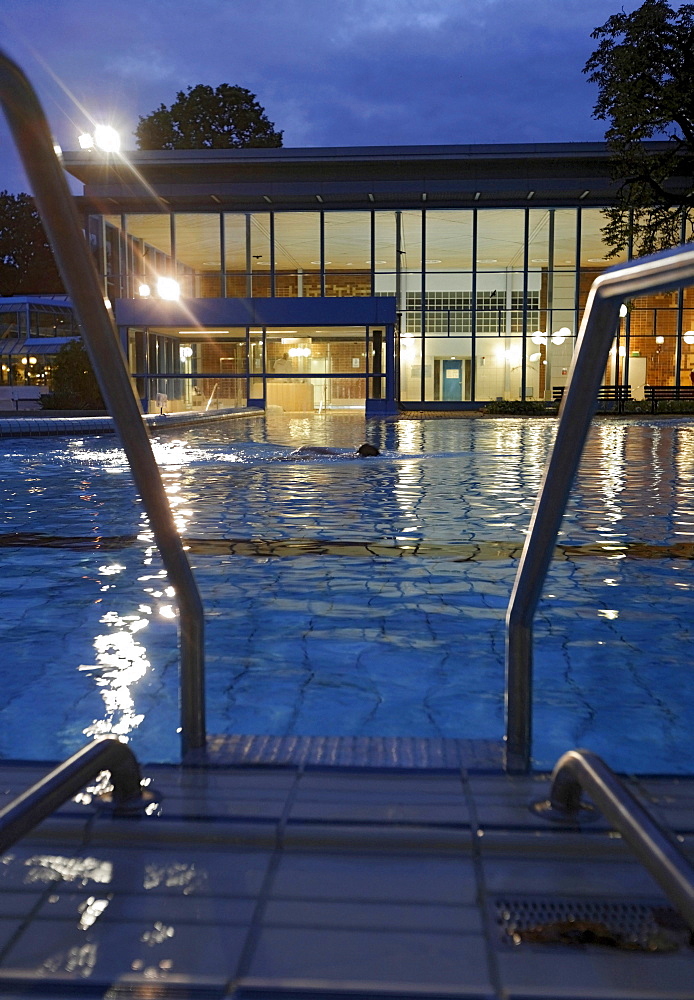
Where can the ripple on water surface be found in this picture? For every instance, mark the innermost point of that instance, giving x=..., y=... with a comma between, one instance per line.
x=370, y=635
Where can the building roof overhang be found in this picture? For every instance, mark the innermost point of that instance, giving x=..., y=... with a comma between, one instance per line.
x=355, y=177
x=503, y=175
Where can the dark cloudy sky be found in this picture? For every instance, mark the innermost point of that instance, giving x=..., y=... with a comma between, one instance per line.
x=328, y=72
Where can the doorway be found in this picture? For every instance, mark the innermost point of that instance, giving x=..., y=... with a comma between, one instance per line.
x=452, y=379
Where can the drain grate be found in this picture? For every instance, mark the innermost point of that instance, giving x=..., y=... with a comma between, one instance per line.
x=579, y=922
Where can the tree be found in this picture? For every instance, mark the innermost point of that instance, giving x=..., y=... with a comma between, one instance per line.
x=644, y=69
x=27, y=266
x=73, y=382
x=203, y=118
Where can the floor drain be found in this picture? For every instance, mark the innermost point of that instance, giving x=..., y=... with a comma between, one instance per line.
x=579, y=922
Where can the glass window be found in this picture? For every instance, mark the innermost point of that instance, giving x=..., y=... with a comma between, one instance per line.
x=297, y=253
x=410, y=368
x=410, y=240
x=153, y=230
x=593, y=255
x=260, y=283
x=448, y=241
x=347, y=242
x=235, y=256
x=153, y=236
x=385, y=242
x=499, y=368
x=500, y=237
x=198, y=254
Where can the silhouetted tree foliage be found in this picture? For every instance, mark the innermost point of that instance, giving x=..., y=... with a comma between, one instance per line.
x=74, y=385
x=203, y=118
x=27, y=266
x=644, y=69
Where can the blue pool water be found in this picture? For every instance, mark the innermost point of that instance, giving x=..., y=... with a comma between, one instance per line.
x=351, y=597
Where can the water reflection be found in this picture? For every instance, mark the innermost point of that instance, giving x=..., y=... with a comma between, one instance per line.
x=121, y=661
x=318, y=640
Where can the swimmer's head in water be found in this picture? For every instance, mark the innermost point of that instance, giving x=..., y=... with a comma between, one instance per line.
x=367, y=451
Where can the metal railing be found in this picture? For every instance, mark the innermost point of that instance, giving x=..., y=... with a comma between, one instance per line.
x=59, y=215
x=581, y=771
x=38, y=802
x=662, y=272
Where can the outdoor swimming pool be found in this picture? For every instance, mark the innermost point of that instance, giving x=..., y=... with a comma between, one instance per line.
x=351, y=598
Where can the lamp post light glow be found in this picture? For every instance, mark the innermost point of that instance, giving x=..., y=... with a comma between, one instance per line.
x=105, y=137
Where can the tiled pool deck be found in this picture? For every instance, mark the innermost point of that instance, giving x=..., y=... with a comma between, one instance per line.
x=313, y=883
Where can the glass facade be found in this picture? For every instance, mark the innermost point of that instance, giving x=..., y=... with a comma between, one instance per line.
x=32, y=331
x=488, y=301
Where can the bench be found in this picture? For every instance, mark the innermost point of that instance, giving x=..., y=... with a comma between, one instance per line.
x=615, y=393
x=32, y=399
x=657, y=392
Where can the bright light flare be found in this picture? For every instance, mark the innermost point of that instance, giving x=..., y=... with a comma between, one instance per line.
x=168, y=289
x=107, y=139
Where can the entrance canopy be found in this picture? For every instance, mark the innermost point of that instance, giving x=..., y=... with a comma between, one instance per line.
x=347, y=311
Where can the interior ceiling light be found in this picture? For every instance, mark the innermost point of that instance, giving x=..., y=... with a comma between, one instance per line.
x=688, y=337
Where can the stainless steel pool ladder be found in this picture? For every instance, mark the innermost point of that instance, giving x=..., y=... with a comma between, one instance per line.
x=655, y=847
x=38, y=802
x=665, y=271
x=59, y=215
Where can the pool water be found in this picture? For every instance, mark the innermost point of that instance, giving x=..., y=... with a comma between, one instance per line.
x=351, y=597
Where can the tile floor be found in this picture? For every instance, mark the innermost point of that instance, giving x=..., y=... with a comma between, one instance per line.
x=304, y=882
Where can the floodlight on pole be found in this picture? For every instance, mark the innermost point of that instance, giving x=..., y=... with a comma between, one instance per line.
x=105, y=137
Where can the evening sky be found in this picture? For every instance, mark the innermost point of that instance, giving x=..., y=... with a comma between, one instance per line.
x=328, y=72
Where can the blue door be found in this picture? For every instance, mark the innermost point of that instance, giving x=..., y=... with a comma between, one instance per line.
x=452, y=372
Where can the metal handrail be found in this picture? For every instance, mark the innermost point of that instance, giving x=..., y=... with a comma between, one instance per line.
x=59, y=215
x=583, y=771
x=665, y=271
x=38, y=802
